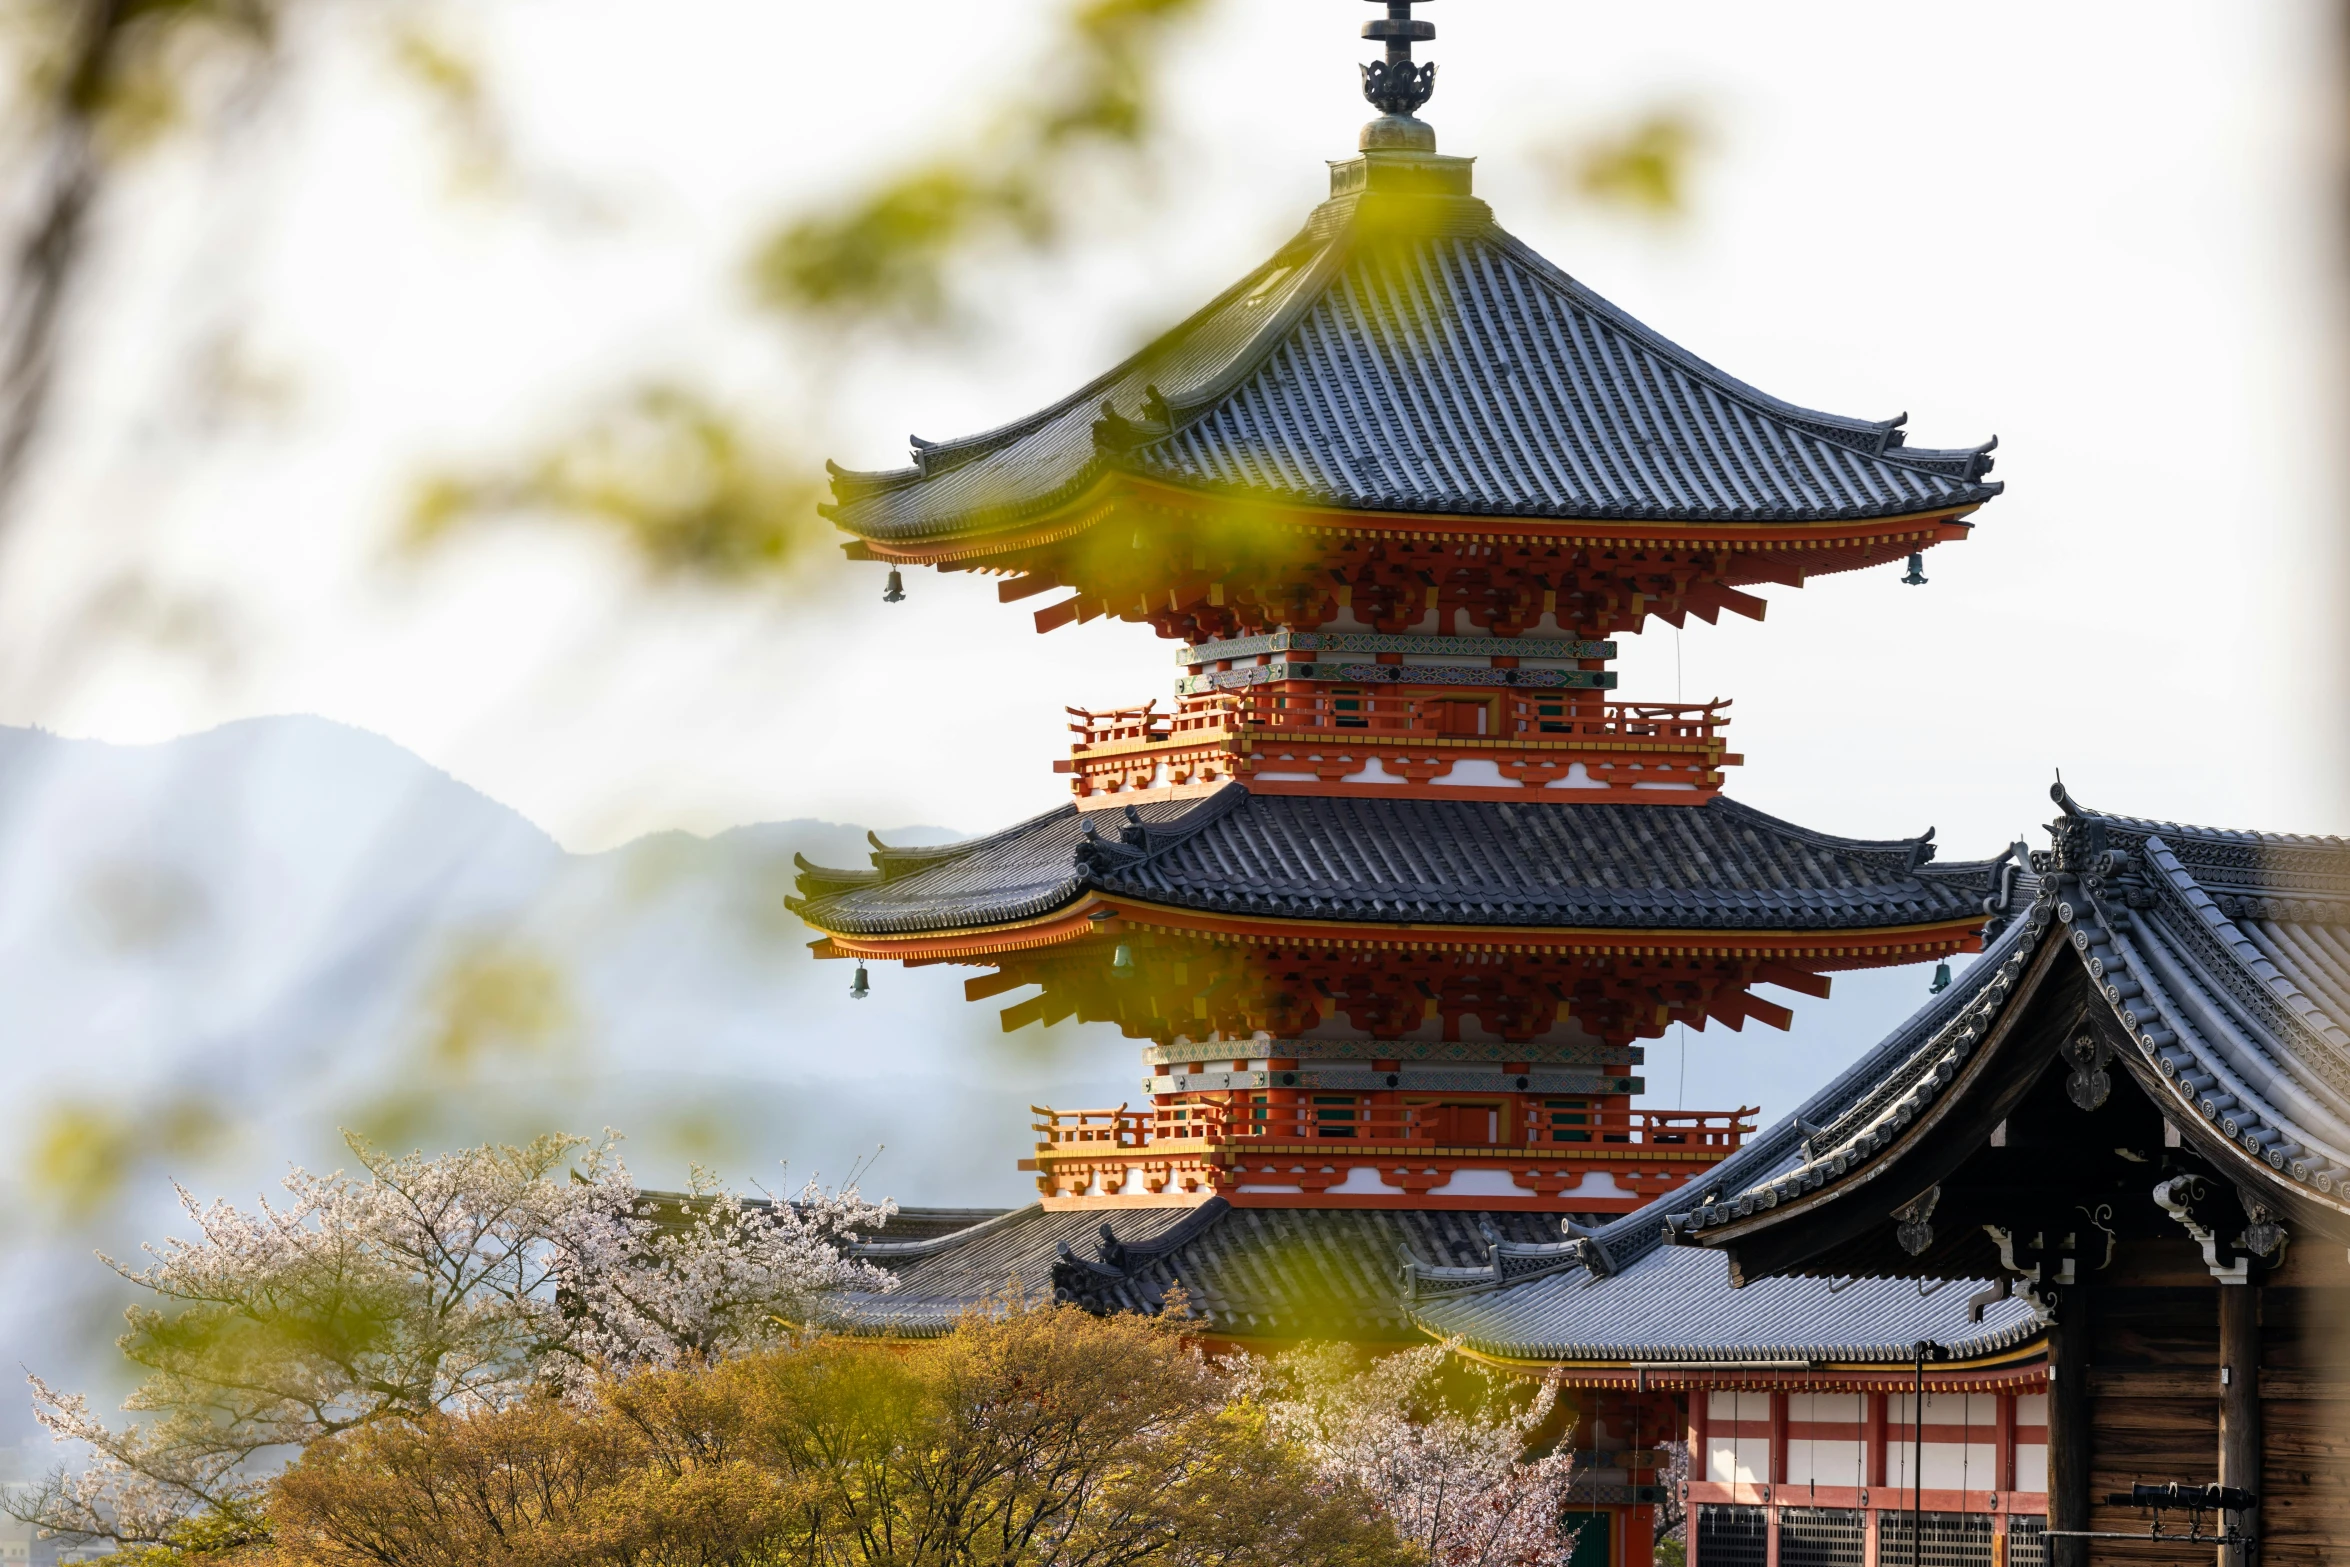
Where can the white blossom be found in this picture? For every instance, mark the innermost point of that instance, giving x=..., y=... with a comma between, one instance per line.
x=456, y=1282
x=1455, y=1479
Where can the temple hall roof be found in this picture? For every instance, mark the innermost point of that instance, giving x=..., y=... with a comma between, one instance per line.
x=1404, y=353
x=1720, y=865
x=2217, y=961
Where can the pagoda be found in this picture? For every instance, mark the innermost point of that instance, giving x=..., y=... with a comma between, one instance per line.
x=1395, y=885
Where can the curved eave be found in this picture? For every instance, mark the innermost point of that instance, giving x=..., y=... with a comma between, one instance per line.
x=1852, y=946
x=1968, y=1044
x=1110, y=491
x=2011, y=1354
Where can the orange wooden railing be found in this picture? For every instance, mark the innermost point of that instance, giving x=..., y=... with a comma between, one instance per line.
x=1344, y=1118
x=1516, y=715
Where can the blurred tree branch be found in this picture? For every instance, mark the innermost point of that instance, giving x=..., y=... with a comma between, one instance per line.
x=885, y=255
x=696, y=492
x=97, y=80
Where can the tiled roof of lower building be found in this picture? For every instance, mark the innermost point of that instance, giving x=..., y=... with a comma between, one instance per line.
x=1280, y=1273
x=1675, y=1304
x=1717, y=866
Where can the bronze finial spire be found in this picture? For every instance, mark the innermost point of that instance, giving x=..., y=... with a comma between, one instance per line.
x=1395, y=85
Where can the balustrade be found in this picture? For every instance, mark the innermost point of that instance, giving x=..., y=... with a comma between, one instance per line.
x=1530, y=715
x=1351, y=1118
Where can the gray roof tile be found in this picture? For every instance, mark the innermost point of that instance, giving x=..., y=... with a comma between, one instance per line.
x=1720, y=865
x=1444, y=369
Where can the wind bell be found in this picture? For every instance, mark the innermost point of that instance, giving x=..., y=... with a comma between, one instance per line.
x=1122, y=962
x=1941, y=979
x=1916, y=577
x=895, y=593
x=860, y=987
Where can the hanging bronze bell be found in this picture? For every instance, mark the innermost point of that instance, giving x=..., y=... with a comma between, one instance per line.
x=895, y=593
x=1941, y=979
x=860, y=987
x=1916, y=577
x=1122, y=962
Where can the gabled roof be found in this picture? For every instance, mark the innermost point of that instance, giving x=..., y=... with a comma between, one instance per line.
x=2218, y=962
x=1406, y=354
x=1720, y=865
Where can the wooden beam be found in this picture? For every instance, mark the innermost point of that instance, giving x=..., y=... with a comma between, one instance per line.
x=1054, y=616
x=1013, y=589
x=1794, y=979
x=1742, y=603
x=995, y=984
x=1020, y=1014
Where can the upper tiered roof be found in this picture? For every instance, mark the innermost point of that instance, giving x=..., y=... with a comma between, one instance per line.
x=1404, y=353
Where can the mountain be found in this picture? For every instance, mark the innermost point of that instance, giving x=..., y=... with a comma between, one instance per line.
x=218, y=952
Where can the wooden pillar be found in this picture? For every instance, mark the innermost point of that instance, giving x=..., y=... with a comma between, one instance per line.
x=1778, y=1472
x=1700, y=1467
x=2003, y=1470
x=1638, y=1536
x=2068, y=1429
x=2239, y=1402
x=1874, y=1435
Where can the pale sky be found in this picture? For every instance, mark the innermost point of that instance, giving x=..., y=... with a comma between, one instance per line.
x=2096, y=231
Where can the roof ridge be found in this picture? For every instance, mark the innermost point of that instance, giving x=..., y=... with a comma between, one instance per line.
x=944, y=456
x=1826, y=840
x=2216, y=835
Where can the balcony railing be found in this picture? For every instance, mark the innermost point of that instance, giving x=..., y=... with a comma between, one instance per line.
x=1534, y=715
x=1345, y=1118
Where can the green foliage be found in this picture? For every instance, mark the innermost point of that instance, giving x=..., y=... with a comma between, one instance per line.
x=885, y=255
x=81, y=1153
x=681, y=482
x=1645, y=168
x=1044, y=1438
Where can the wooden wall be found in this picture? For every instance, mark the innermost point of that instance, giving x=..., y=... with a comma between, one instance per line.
x=2153, y=1379
x=2305, y=1408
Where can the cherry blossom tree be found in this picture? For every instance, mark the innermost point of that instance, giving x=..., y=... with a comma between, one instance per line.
x=422, y=1286
x=1440, y=1444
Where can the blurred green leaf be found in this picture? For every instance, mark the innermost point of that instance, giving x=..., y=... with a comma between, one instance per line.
x=1645, y=168
x=680, y=481
x=886, y=255
x=82, y=1153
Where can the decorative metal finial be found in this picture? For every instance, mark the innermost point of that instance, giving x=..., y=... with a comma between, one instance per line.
x=1395, y=85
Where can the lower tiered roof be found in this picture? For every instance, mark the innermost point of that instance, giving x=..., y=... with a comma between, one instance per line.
x=1717, y=866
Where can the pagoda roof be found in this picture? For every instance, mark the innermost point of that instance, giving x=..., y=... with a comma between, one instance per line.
x=1404, y=353
x=1716, y=866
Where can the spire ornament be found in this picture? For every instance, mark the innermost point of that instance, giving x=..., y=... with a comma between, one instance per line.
x=1396, y=85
